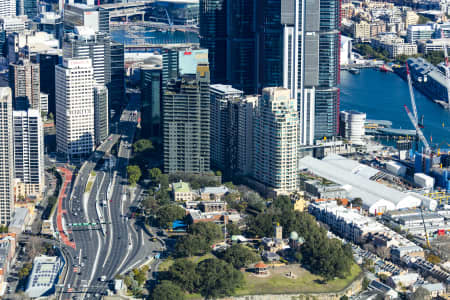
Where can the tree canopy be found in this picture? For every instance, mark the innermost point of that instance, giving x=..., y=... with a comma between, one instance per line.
x=166, y=214
x=134, y=174
x=239, y=256
x=190, y=245
x=142, y=145
x=210, y=231
x=182, y=272
x=217, y=278
x=167, y=290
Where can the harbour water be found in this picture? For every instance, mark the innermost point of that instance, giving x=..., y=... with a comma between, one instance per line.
x=152, y=36
x=382, y=96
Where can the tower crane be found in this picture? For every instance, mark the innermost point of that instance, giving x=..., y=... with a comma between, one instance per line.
x=425, y=228
x=418, y=131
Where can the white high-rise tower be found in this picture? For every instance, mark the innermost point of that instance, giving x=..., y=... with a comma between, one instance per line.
x=75, y=106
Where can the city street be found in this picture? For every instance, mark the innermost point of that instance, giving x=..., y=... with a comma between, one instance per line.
x=114, y=244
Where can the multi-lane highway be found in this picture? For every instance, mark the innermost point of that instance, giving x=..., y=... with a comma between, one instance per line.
x=118, y=244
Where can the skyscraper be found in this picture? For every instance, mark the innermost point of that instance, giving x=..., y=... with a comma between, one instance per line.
x=276, y=140
x=268, y=43
x=85, y=42
x=248, y=107
x=151, y=94
x=47, y=63
x=7, y=8
x=75, y=106
x=224, y=123
x=29, y=150
x=27, y=7
x=116, y=89
x=310, y=64
x=101, y=123
x=186, y=121
x=6, y=154
x=24, y=80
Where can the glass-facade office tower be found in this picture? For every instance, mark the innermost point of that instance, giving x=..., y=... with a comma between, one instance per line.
x=27, y=7
x=6, y=161
x=47, y=63
x=290, y=43
x=101, y=124
x=116, y=89
x=310, y=64
x=186, y=123
x=151, y=89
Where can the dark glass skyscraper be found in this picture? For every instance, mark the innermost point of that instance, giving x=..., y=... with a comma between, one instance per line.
x=289, y=43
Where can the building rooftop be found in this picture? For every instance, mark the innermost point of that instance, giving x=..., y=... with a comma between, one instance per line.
x=20, y=215
x=181, y=187
x=43, y=276
x=376, y=197
x=219, y=190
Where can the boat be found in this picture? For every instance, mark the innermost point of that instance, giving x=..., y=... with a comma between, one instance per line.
x=354, y=71
x=385, y=68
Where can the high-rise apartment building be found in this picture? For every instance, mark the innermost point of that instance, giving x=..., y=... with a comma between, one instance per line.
x=101, y=122
x=24, y=80
x=276, y=140
x=78, y=14
x=27, y=7
x=29, y=151
x=224, y=120
x=186, y=123
x=247, y=109
x=7, y=8
x=6, y=155
x=75, y=106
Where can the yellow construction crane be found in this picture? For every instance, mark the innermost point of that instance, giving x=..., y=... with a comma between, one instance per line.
x=439, y=196
x=425, y=229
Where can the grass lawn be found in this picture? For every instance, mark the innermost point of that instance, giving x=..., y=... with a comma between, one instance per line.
x=165, y=265
x=305, y=282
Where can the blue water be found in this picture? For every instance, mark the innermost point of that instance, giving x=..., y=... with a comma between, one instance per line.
x=150, y=36
x=382, y=96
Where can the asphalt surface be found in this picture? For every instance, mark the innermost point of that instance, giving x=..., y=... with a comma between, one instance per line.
x=119, y=244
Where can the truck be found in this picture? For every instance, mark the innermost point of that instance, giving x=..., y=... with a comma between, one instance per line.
x=103, y=278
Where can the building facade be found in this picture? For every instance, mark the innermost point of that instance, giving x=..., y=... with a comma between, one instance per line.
x=8, y=8
x=116, y=89
x=101, y=120
x=7, y=152
x=29, y=151
x=151, y=97
x=24, y=80
x=352, y=126
x=47, y=63
x=224, y=119
x=276, y=140
x=186, y=123
x=75, y=106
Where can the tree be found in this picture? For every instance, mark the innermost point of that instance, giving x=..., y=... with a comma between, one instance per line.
x=163, y=179
x=182, y=272
x=190, y=245
x=142, y=145
x=283, y=203
x=50, y=116
x=218, y=173
x=239, y=256
x=134, y=174
x=233, y=229
x=166, y=290
x=166, y=214
x=210, y=231
x=154, y=174
x=433, y=259
x=217, y=278
x=150, y=204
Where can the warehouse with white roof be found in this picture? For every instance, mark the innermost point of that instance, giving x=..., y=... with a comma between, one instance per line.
x=355, y=178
